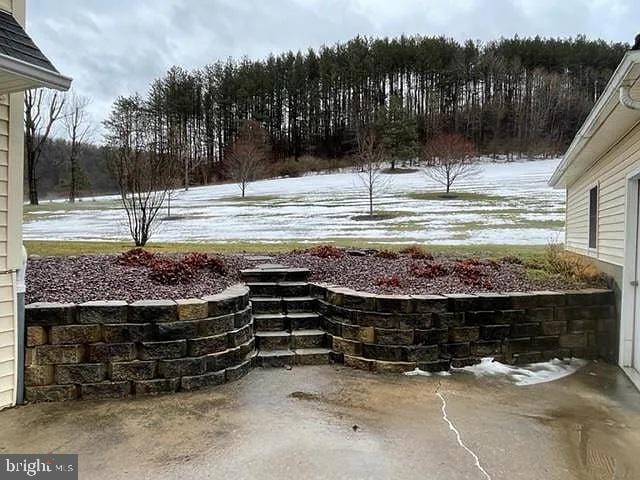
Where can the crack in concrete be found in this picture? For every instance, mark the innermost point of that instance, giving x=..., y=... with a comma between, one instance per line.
x=457, y=433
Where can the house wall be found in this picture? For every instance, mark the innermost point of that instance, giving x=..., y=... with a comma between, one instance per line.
x=609, y=173
x=11, y=198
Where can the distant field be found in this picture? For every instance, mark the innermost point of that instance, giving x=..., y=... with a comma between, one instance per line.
x=507, y=204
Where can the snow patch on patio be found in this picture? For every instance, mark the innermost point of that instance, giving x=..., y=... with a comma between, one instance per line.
x=531, y=374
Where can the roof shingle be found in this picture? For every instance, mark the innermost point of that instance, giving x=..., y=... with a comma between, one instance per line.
x=14, y=42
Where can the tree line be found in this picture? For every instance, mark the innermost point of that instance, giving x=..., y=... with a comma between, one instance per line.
x=513, y=97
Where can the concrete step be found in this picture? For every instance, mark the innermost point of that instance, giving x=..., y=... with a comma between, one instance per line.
x=266, y=305
x=270, y=322
x=263, y=289
x=312, y=356
x=304, y=321
x=275, y=273
x=308, y=339
x=279, y=289
x=278, y=340
x=299, y=304
x=275, y=358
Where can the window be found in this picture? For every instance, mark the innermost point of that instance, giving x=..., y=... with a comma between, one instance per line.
x=593, y=217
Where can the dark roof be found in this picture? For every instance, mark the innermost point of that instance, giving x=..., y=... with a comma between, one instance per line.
x=15, y=43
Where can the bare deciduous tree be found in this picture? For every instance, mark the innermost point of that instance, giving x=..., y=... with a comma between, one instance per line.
x=144, y=168
x=42, y=110
x=450, y=157
x=370, y=161
x=77, y=124
x=245, y=159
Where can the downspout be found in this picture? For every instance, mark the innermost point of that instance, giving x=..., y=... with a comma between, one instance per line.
x=19, y=277
x=626, y=99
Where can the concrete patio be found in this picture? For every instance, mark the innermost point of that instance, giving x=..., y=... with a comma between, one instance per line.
x=330, y=422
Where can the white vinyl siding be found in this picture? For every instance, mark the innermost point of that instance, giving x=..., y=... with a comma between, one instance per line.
x=609, y=173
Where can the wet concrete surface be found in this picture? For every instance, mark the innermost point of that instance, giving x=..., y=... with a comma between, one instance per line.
x=331, y=422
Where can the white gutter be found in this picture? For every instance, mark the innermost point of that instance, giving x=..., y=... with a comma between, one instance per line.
x=42, y=76
x=626, y=99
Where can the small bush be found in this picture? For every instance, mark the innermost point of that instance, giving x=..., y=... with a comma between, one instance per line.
x=136, y=257
x=512, y=259
x=468, y=272
x=429, y=270
x=387, y=254
x=569, y=265
x=417, y=252
x=324, y=251
x=391, y=281
x=201, y=261
x=168, y=271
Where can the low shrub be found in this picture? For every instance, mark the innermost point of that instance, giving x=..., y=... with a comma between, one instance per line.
x=417, y=252
x=391, y=281
x=136, y=257
x=429, y=270
x=387, y=254
x=201, y=261
x=168, y=271
x=512, y=259
x=569, y=265
x=468, y=272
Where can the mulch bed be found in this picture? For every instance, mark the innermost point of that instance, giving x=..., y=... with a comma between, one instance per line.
x=101, y=277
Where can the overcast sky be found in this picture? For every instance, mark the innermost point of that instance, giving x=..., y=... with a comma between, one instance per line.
x=117, y=47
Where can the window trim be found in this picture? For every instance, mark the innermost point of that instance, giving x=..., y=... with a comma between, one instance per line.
x=593, y=250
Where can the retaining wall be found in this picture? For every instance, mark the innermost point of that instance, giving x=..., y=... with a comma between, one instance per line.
x=114, y=349
x=434, y=332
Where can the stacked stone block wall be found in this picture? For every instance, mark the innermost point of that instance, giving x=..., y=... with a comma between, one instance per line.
x=113, y=349
x=435, y=332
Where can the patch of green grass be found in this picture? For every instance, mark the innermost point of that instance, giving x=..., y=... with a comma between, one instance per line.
x=516, y=225
x=537, y=275
x=57, y=248
x=400, y=170
x=57, y=207
x=465, y=196
x=382, y=215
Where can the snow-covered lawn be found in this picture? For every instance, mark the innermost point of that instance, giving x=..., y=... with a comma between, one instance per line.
x=519, y=208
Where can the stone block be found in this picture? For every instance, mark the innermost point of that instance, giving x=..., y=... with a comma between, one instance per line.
x=51, y=393
x=448, y=320
x=493, y=301
x=430, y=304
x=240, y=336
x=196, y=382
x=238, y=371
x=367, y=334
x=36, y=336
x=394, y=304
x=38, y=375
x=464, y=334
x=512, y=316
x=181, y=367
x=545, y=343
x=111, y=352
x=156, y=386
x=432, y=336
x=351, y=332
x=517, y=345
x=417, y=320
x=155, y=311
x=197, y=347
x=589, y=296
x=573, y=340
x=335, y=296
x=455, y=350
x=380, y=366
x=495, y=332
x=100, y=312
x=436, y=366
x=74, y=334
x=224, y=304
x=462, y=302
x=348, y=347
x=80, y=373
x=359, y=300
x=242, y=318
x=422, y=353
x=487, y=348
x=216, y=325
x=192, y=309
x=127, y=332
x=219, y=361
x=519, y=330
x=386, y=336
x=554, y=328
x=376, y=319
x=136, y=370
x=578, y=326
x=482, y=317
x=247, y=348
x=58, y=354
x=44, y=314
x=97, y=391
x=464, y=362
x=539, y=314
x=540, y=299
x=29, y=356
x=178, y=330
x=527, y=357
x=359, y=362
x=163, y=350
x=332, y=327
x=392, y=353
